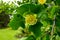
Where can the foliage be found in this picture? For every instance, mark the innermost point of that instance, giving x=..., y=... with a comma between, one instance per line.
x=47, y=26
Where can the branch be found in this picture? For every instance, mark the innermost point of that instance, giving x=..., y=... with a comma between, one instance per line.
x=52, y=31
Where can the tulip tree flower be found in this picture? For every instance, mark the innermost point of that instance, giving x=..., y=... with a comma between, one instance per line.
x=31, y=19
x=41, y=2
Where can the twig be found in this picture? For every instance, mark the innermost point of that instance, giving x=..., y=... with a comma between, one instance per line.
x=52, y=31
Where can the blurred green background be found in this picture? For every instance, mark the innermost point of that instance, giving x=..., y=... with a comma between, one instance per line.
x=6, y=9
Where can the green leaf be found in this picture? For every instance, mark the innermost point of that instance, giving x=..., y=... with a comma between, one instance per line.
x=29, y=8
x=58, y=21
x=46, y=37
x=25, y=8
x=49, y=1
x=43, y=15
x=36, y=29
x=30, y=38
x=38, y=9
x=57, y=37
x=57, y=2
x=58, y=24
x=53, y=11
x=17, y=21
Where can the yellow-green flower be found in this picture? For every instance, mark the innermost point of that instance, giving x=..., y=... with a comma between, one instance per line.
x=42, y=2
x=31, y=19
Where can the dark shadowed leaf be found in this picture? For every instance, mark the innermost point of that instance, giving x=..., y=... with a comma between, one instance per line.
x=36, y=29
x=17, y=21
